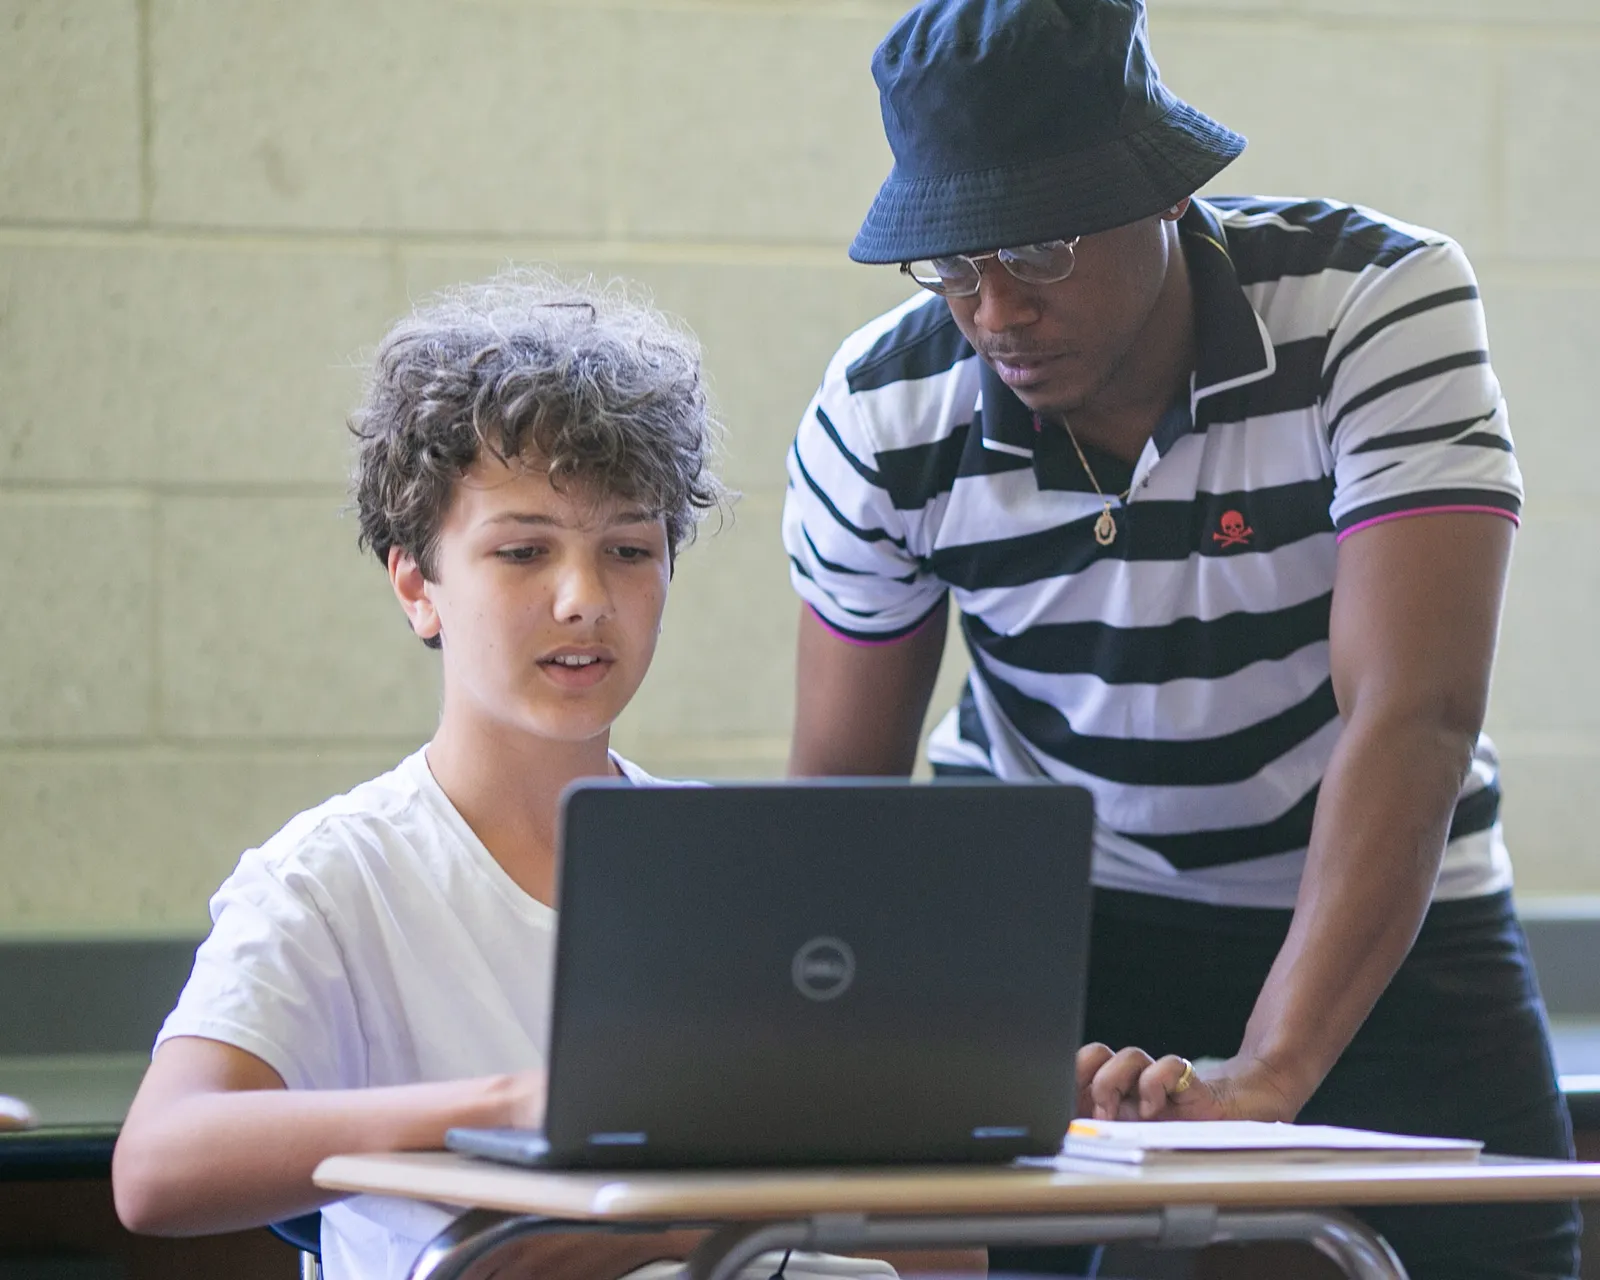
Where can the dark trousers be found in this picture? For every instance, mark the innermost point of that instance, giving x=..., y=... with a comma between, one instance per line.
x=1456, y=1047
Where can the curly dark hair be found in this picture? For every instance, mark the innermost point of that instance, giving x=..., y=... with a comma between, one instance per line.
x=584, y=380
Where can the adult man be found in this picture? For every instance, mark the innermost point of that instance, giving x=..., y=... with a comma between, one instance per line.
x=1157, y=449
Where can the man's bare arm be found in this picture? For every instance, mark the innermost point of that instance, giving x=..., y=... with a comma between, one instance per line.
x=1416, y=609
x=859, y=708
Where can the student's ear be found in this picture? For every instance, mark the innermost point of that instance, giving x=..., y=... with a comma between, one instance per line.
x=1177, y=211
x=411, y=589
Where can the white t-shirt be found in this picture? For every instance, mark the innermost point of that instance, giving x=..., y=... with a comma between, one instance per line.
x=376, y=941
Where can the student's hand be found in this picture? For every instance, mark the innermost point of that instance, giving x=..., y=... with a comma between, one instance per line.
x=1131, y=1085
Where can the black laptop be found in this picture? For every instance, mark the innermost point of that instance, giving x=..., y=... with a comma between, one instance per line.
x=812, y=973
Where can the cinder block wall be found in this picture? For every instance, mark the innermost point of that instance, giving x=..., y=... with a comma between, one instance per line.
x=208, y=208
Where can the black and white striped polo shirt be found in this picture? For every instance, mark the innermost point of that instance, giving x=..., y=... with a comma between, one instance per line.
x=1180, y=673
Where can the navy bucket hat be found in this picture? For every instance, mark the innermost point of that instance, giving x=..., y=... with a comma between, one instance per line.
x=1017, y=121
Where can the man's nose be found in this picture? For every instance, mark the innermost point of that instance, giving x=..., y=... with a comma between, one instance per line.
x=1004, y=302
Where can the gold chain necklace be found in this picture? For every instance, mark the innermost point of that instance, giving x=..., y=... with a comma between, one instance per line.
x=1105, y=528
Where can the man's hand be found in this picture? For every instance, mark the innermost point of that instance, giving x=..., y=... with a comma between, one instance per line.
x=1131, y=1085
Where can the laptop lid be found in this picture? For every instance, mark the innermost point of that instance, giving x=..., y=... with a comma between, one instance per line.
x=814, y=972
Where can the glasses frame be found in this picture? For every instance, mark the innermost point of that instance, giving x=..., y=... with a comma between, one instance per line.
x=1005, y=257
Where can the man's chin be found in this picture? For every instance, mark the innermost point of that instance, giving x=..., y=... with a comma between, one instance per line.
x=1051, y=401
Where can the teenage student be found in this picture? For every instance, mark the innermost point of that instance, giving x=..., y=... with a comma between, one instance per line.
x=531, y=456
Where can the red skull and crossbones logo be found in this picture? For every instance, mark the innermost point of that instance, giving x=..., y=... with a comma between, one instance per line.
x=1235, y=532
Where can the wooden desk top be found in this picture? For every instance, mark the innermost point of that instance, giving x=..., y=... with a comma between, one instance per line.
x=728, y=1195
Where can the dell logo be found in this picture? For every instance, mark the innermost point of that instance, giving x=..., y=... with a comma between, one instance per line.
x=823, y=969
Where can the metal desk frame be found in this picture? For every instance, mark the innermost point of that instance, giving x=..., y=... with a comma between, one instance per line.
x=1350, y=1243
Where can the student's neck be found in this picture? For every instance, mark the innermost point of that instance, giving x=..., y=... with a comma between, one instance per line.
x=507, y=786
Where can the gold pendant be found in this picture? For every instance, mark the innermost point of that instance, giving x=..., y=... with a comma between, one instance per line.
x=1105, y=528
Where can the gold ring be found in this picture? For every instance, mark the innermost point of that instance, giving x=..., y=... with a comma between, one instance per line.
x=1185, y=1080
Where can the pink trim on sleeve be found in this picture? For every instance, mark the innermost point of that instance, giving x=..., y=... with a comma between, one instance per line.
x=870, y=644
x=1428, y=511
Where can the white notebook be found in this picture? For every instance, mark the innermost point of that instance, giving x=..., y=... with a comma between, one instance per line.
x=1208, y=1141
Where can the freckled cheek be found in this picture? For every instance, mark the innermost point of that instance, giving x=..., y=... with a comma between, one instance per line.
x=645, y=622
x=504, y=623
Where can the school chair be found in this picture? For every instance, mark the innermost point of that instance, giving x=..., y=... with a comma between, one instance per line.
x=305, y=1234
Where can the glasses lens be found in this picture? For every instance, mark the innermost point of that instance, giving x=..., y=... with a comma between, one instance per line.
x=1043, y=263
x=955, y=277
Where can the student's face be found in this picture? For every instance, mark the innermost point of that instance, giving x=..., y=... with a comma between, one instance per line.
x=1058, y=345
x=548, y=603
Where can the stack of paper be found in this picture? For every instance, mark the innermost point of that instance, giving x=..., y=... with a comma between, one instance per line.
x=1255, y=1141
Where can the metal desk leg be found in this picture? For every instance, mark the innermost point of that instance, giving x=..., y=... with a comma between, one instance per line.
x=722, y=1254
x=1359, y=1250
x=478, y=1233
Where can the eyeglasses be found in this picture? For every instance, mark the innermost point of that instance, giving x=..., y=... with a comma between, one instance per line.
x=958, y=274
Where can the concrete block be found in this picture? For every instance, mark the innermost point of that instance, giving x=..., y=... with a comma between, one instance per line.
x=1545, y=676
x=720, y=694
x=263, y=363
x=411, y=115
x=947, y=688
x=750, y=125
x=76, y=632
x=74, y=408
x=1551, y=120
x=1520, y=13
x=1227, y=8
x=136, y=841
x=274, y=626
x=1543, y=337
x=69, y=110
x=769, y=332
x=1411, y=133
x=725, y=664
x=184, y=364
x=424, y=269
x=768, y=329
x=730, y=757
x=1552, y=814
